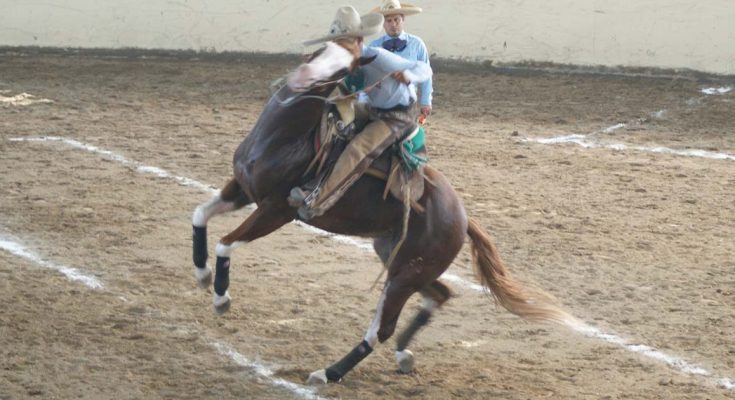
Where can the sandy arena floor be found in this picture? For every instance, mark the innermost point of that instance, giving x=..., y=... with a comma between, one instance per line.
x=636, y=241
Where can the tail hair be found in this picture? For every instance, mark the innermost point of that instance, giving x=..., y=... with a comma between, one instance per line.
x=522, y=300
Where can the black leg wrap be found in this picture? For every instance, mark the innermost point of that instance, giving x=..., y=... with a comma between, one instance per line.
x=345, y=365
x=422, y=318
x=199, y=237
x=222, y=275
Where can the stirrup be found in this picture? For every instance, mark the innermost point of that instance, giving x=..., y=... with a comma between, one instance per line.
x=302, y=197
x=297, y=197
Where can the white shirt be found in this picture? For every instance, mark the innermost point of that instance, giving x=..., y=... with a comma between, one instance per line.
x=415, y=50
x=389, y=92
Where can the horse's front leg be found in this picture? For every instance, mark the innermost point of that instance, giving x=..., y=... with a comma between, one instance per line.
x=264, y=220
x=230, y=198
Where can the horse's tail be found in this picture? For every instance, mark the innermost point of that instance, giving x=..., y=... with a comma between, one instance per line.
x=527, y=302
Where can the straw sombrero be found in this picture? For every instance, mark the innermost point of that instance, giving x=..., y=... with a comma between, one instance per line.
x=348, y=23
x=393, y=7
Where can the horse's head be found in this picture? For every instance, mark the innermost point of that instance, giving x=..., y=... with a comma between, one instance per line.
x=330, y=63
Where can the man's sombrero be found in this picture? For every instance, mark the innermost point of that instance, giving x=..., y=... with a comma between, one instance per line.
x=393, y=7
x=348, y=23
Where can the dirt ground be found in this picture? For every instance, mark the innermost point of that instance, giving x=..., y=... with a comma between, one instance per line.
x=637, y=243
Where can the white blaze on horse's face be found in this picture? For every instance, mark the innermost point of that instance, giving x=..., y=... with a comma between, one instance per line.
x=333, y=59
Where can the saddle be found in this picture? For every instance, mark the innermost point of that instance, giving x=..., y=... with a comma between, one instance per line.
x=400, y=166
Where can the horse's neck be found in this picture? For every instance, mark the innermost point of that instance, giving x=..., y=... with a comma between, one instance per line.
x=293, y=115
x=286, y=127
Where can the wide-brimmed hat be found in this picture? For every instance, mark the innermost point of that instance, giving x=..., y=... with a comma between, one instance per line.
x=393, y=7
x=348, y=23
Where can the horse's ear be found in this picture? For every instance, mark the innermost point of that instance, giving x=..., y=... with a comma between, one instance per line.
x=366, y=60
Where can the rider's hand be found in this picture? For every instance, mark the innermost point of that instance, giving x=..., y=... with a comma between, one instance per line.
x=400, y=77
x=426, y=110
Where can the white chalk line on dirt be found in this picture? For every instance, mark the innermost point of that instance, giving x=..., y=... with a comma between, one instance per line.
x=265, y=372
x=23, y=99
x=590, y=141
x=584, y=141
x=17, y=249
x=716, y=91
x=73, y=274
x=140, y=167
x=578, y=326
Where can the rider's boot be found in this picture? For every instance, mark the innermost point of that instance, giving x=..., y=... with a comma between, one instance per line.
x=301, y=195
x=349, y=166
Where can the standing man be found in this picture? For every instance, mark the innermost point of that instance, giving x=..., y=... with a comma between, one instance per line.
x=408, y=46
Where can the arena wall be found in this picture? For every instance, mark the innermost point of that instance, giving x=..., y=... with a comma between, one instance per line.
x=669, y=34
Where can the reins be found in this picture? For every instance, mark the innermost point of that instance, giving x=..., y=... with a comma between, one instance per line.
x=302, y=96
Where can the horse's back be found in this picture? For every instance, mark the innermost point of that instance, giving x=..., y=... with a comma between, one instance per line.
x=364, y=211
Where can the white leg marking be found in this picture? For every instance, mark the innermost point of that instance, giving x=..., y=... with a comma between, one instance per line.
x=224, y=250
x=372, y=334
x=220, y=300
x=205, y=211
x=405, y=361
x=203, y=276
x=221, y=303
x=429, y=304
x=317, y=378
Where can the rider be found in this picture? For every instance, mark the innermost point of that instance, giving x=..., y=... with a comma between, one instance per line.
x=391, y=92
x=406, y=45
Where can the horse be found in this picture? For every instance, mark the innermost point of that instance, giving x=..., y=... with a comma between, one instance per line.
x=272, y=159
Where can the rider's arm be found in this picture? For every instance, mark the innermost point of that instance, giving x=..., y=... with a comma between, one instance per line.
x=426, y=86
x=387, y=62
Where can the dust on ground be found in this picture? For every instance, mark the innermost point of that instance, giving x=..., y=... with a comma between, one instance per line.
x=635, y=242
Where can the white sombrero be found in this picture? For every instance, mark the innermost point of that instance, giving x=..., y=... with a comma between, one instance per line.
x=348, y=23
x=393, y=7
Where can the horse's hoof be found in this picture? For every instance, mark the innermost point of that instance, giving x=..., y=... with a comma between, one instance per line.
x=405, y=361
x=317, y=378
x=204, y=277
x=222, y=303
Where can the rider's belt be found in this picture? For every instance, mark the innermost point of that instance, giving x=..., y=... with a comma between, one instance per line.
x=399, y=107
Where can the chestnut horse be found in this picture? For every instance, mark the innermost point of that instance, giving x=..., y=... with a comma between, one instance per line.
x=272, y=160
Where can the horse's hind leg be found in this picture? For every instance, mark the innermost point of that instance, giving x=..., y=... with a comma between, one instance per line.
x=434, y=295
x=395, y=293
x=230, y=198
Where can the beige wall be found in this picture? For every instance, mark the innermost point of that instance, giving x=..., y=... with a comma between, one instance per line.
x=694, y=34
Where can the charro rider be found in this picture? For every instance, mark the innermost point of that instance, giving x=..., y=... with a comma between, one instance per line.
x=406, y=45
x=392, y=101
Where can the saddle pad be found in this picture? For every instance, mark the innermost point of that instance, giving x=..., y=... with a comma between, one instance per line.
x=413, y=149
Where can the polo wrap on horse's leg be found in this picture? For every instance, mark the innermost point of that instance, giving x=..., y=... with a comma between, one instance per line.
x=345, y=365
x=421, y=319
x=199, y=237
x=222, y=275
